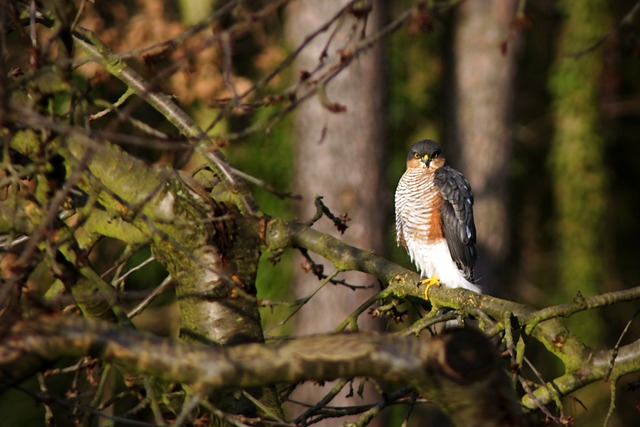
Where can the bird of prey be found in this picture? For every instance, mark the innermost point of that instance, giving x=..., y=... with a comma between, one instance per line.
x=434, y=218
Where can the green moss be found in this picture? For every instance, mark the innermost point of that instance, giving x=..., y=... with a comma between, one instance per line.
x=576, y=158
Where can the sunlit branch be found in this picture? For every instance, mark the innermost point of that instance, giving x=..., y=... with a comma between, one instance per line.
x=458, y=369
x=165, y=105
x=580, y=304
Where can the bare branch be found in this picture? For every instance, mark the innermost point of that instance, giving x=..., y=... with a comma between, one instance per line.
x=459, y=370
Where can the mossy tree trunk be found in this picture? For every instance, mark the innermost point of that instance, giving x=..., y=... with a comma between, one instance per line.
x=576, y=158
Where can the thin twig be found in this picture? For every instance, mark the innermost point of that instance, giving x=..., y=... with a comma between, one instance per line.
x=612, y=403
x=265, y=185
x=166, y=284
x=153, y=403
x=187, y=407
x=302, y=301
x=616, y=348
x=626, y=19
x=337, y=388
x=540, y=405
x=91, y=44
x=545, y=385
x=66, y=403
x=352, y=318
x=133, y=270
x=581, y=304
x=264, y=408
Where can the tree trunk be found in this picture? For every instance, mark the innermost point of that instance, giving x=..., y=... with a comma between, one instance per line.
x=579, y=174
x=339, y=156
x=483, y=82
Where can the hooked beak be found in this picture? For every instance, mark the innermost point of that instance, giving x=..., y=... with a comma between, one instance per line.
x=426, y=160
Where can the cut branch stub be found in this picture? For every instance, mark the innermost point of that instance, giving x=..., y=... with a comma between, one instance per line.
x=465, y=378
x=466, y=356
x=460, y=370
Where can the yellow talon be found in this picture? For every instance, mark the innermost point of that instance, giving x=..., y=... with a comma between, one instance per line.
x=432, y=281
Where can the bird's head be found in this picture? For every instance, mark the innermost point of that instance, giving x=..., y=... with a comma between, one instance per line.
x=425, y=154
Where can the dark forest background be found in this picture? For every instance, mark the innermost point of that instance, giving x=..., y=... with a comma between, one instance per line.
x=537, y=102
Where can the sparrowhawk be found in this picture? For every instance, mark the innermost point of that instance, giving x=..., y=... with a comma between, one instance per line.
x=434, y=218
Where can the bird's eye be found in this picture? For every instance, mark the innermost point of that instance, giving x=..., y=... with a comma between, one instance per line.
x=435, y=155
x=416, y=155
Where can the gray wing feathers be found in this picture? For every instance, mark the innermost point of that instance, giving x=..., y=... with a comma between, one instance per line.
x=456, y=215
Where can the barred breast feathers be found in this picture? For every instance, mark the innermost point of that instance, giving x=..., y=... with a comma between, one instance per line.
x=417, y=207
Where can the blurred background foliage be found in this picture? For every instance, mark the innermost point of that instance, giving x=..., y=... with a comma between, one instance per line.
x=558, y=121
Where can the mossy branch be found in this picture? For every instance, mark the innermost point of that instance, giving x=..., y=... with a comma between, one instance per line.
x=581, y=363
x=202, y=143
x=599, y=366
x=459, y=370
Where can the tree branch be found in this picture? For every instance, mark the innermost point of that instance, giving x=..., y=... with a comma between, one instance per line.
x=459, y=370
x=582, y=364
x=101, y=53
x=594, y=369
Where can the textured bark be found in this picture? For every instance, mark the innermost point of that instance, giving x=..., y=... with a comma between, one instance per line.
x=213, y=263
x=459, y=370
x=339, y=156
x=545, y=326
x=483, y=81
